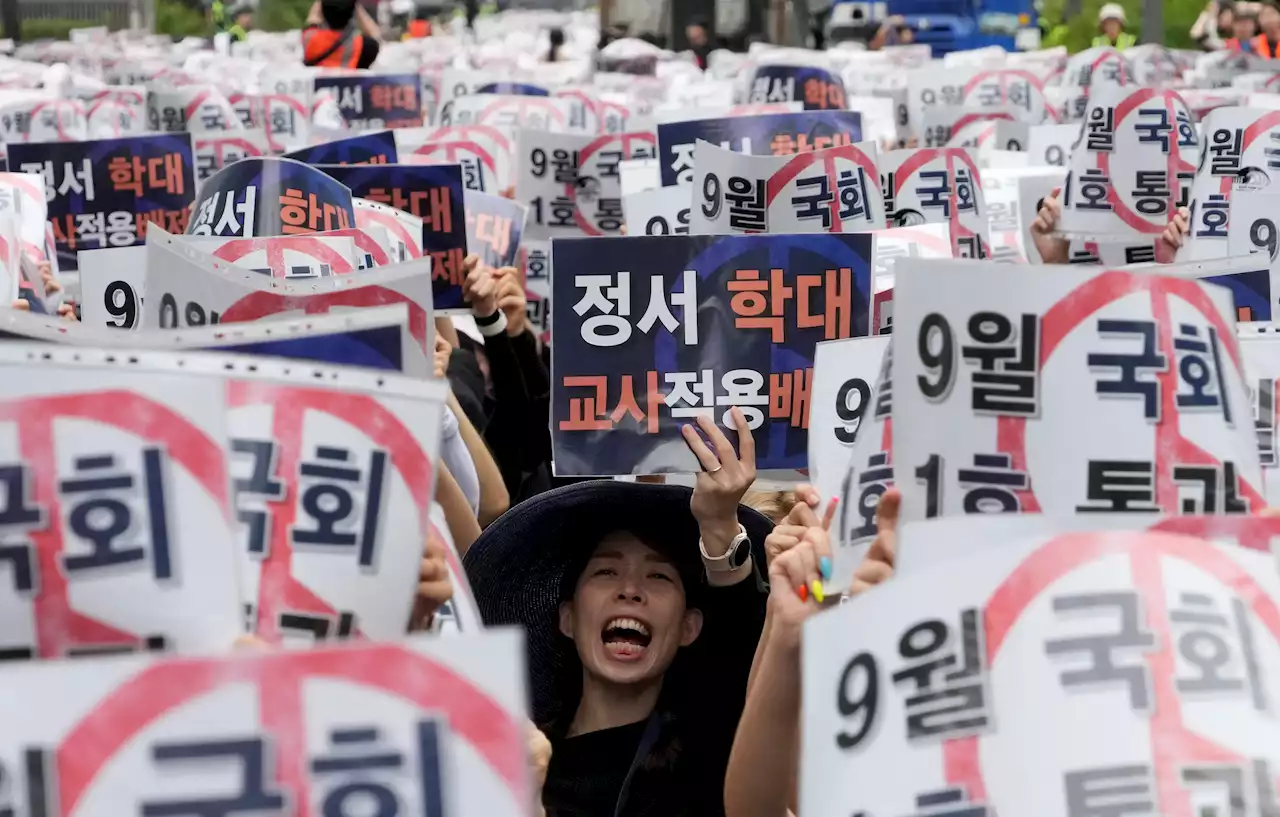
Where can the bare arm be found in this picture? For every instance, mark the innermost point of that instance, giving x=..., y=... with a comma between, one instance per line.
x=314, y=17
x=463, y=526
x=494, y=499
x=366, y=23
x=446, y=330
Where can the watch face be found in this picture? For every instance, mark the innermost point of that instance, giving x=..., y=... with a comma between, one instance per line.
x=741, y=550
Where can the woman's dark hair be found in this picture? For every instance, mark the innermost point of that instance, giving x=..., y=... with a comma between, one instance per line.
x=556, y=36
x=338, y=13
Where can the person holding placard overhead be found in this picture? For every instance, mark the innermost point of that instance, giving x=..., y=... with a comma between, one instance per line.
x=1111, y=22
x=642, y=608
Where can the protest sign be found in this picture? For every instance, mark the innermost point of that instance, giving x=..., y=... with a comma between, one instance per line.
x=1149, y=363
x=43, y=119
x=1261, y=353
x=1016, y=92
x=1029, y=631
x=660, y=211
x=10, y=259
x=962, y=127
x=1033, y=188
x=115, y=111
x=779, y=134
x=264, y=197
x=1132, y=166
x=375, y=337
x=600, y=115
x=104, y=193
x=572, y=183
x=287, y=118
x=880, y=123
x=1008, y=222
x=370, y=245
x=535, y=263
x=333, y=475
x=844, y=373
x=1052, y=144
x=486, y=155
x=439, y=721
x=117, y=523
x=431, y=194
x=215, y=151
x=400, y=231
x=197, y=290
x=925, y=241
x=494, y=228
x=193, y=108
x=456, y=83
x=621, y=377
x=930, y=186
x=366, y=149
x=371, y=101
x=638, y=175
x=23, y=195
x=817, y=88
x=510, y=112
x=836, y=190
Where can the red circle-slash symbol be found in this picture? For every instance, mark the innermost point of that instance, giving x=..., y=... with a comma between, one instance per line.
x=575, y=193
x=278, y=590
x=59, y=627
x=1174, y=164
x=523, y=105
x=279, y=677
x=1173, y=745
x=1171, y=447
x=917, y=161
x=827, y=158
x=258, y=305
x=275, y=248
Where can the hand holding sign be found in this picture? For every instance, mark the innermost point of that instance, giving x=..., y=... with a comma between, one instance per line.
x=725, y=477
x=480, y=287
x=512, y=301
x=1053, y=248
x=878, y=564
x=434, y=587
x=791, y=576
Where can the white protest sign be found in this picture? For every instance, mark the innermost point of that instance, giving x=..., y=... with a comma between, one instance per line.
x=314, y=330
x=694, y=113
x=1020, y=640
x=536, y=260
x=1132, y=166
x=193, y=108
x=214, y=151
x=844, y=372
x=112, y=284
x=1261, y=354
x=115, y=112
x=924, y=241
x=195, y=289
x=962, y=127
x=440, y=721
x=600, y=115
x=1004, y=373
x=1007, y=219
x=117, y=522
x=936, y=185
x=1019, y=92
x=638, y=175
x=485, y=154
x=880, y=121
x=1052, y=144
x=10, y=259
x=370, y=242
x=288, y=120
x=24, y=195
x=1033, y=189
x=401, y=230
x=543, y=113
x=571, y=184
x=333, y=473
x=281, y=256
x=836, y=190
x=43, y=120
x=660, y=211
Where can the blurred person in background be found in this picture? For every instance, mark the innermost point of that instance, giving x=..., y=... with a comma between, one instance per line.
x=1214, y=26
x=1266, y=43
x=699, y=35
x=893, y=31
x=340, y=34
x=1111, y=24
x=242, y=23
x=556, y=38
x=1243, y=29
x=419, y=28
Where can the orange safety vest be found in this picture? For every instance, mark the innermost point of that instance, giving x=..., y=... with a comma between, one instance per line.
x=419, y=29
x=1261, y=47
x=317, y=40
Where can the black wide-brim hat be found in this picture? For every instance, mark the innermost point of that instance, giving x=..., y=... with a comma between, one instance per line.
x=519, y=567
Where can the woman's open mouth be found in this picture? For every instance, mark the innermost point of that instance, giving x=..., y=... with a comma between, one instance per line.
x=625, y=638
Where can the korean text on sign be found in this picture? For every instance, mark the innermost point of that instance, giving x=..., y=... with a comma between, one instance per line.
x=1072, y=391
x=270, y=196
x=104, y=193
x=637, y=352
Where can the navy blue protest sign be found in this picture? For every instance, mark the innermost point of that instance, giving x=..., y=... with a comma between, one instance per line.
x=650, y=331
x=434, y=194
x=366, y=149
x=379, y=347
x=374, y=101
x=513, y=88
x=817, y=88
x=254, y=198
x=1250, y=291
x=777, y=134
x=104, y=192
x=494, y=227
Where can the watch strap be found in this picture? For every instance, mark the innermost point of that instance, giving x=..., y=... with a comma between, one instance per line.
x=724, y=562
